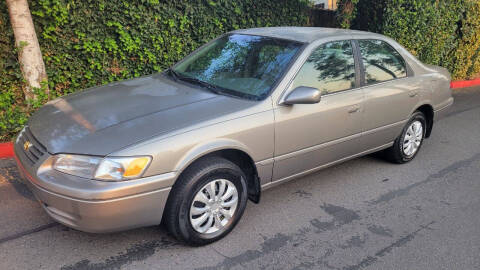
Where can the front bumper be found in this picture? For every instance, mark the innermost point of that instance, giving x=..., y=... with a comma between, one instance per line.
x=96, y=206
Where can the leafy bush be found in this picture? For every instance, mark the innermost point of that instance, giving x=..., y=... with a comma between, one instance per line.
x=427, y=28
x=445, y=33
x=13, y=110
x=93, y=42
x=346, y=12
x=467, y=54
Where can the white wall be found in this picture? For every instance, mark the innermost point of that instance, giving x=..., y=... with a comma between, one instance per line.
x=329, y=4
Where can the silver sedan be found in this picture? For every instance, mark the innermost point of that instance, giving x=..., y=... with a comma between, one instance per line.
x=247, y=111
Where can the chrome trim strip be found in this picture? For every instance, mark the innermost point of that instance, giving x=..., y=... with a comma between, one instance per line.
x=384, y=127
x=448, y=104
x=288, y=178
x=264, y=162
x=336, y=141
x=316, y=147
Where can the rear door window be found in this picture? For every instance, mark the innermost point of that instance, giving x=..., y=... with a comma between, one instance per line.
x=381, y=62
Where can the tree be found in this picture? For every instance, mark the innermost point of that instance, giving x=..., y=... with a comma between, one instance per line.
x=29, y=54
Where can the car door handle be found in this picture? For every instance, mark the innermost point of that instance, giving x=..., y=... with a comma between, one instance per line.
x=413, y=94
x=354, y=109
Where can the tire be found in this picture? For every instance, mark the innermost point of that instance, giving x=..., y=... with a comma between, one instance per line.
x=191, y=193
x=397, y=153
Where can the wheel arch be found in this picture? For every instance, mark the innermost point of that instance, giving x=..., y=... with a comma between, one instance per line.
x=427, y=110
x=232, y=151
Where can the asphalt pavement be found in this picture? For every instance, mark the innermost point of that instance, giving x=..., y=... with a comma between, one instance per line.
x=362, y=214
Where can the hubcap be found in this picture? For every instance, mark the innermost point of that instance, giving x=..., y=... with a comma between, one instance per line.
x=213, y=206
x=413, y=138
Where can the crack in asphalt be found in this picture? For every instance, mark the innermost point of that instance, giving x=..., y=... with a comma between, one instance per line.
x=270, y=245
x=443, y=172
x=27, y=232
x=137, y=252
x=369, y=260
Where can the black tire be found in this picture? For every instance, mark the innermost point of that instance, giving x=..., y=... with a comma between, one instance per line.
x=395, y=153
x=177, y=211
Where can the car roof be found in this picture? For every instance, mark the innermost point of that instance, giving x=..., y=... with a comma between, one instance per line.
x=301, y=34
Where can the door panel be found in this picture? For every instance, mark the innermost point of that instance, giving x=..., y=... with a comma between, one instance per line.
x=387, y=108
x=390, y=95
x=310, y=135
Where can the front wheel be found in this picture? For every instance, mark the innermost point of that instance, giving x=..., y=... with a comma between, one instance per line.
x=207, y=202
x=407, y=145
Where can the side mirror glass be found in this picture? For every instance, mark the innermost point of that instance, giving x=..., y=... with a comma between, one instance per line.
x=303, y=95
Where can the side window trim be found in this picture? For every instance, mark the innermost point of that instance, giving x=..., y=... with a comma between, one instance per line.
x=408, y=69
x=359, y=68
x=356, y=64
x=358, y=71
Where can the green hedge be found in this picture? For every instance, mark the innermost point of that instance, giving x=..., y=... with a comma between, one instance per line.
x=468, y=51
x=445, y=33
x=13, y=111
x=88, y=43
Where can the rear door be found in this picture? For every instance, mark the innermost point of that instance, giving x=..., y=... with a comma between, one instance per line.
x=390, y=90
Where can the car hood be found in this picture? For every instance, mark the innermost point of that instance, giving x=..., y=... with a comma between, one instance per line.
x=101, y=120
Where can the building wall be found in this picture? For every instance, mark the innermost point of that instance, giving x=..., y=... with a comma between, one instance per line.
x=327, y=4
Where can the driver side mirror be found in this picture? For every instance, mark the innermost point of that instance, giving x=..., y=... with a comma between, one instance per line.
x=303, y=95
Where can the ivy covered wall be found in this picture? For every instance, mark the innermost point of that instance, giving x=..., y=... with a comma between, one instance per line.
x=445, y=33
x=92, y=42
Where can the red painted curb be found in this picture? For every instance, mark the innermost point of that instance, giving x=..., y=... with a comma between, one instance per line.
x=6, y=150
x=462, y=84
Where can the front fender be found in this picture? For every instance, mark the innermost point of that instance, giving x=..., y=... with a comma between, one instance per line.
x=208, y=147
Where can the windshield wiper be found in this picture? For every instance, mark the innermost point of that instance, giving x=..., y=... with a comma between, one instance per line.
x=196, y=81
x=173, y=74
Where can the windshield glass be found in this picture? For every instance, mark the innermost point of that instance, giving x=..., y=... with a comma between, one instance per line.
x=242, y=65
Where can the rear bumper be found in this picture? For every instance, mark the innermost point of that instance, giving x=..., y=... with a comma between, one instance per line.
x=443, y=111
x=98, y=206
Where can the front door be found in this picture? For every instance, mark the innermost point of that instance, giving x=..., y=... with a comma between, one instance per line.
x=308, y=136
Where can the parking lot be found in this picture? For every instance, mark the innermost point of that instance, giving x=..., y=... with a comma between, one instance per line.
x=363, y=214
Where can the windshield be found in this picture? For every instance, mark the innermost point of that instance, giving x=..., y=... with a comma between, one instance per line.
x=242, y=65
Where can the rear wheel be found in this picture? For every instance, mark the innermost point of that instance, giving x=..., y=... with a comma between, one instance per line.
x=207, y=201
x=407, y=145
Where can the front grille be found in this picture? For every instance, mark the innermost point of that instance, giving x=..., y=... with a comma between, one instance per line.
x=35, y=150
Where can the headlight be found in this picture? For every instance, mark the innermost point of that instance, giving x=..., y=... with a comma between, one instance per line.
x=83, y=166
x=109, y=168
x=121, y=168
